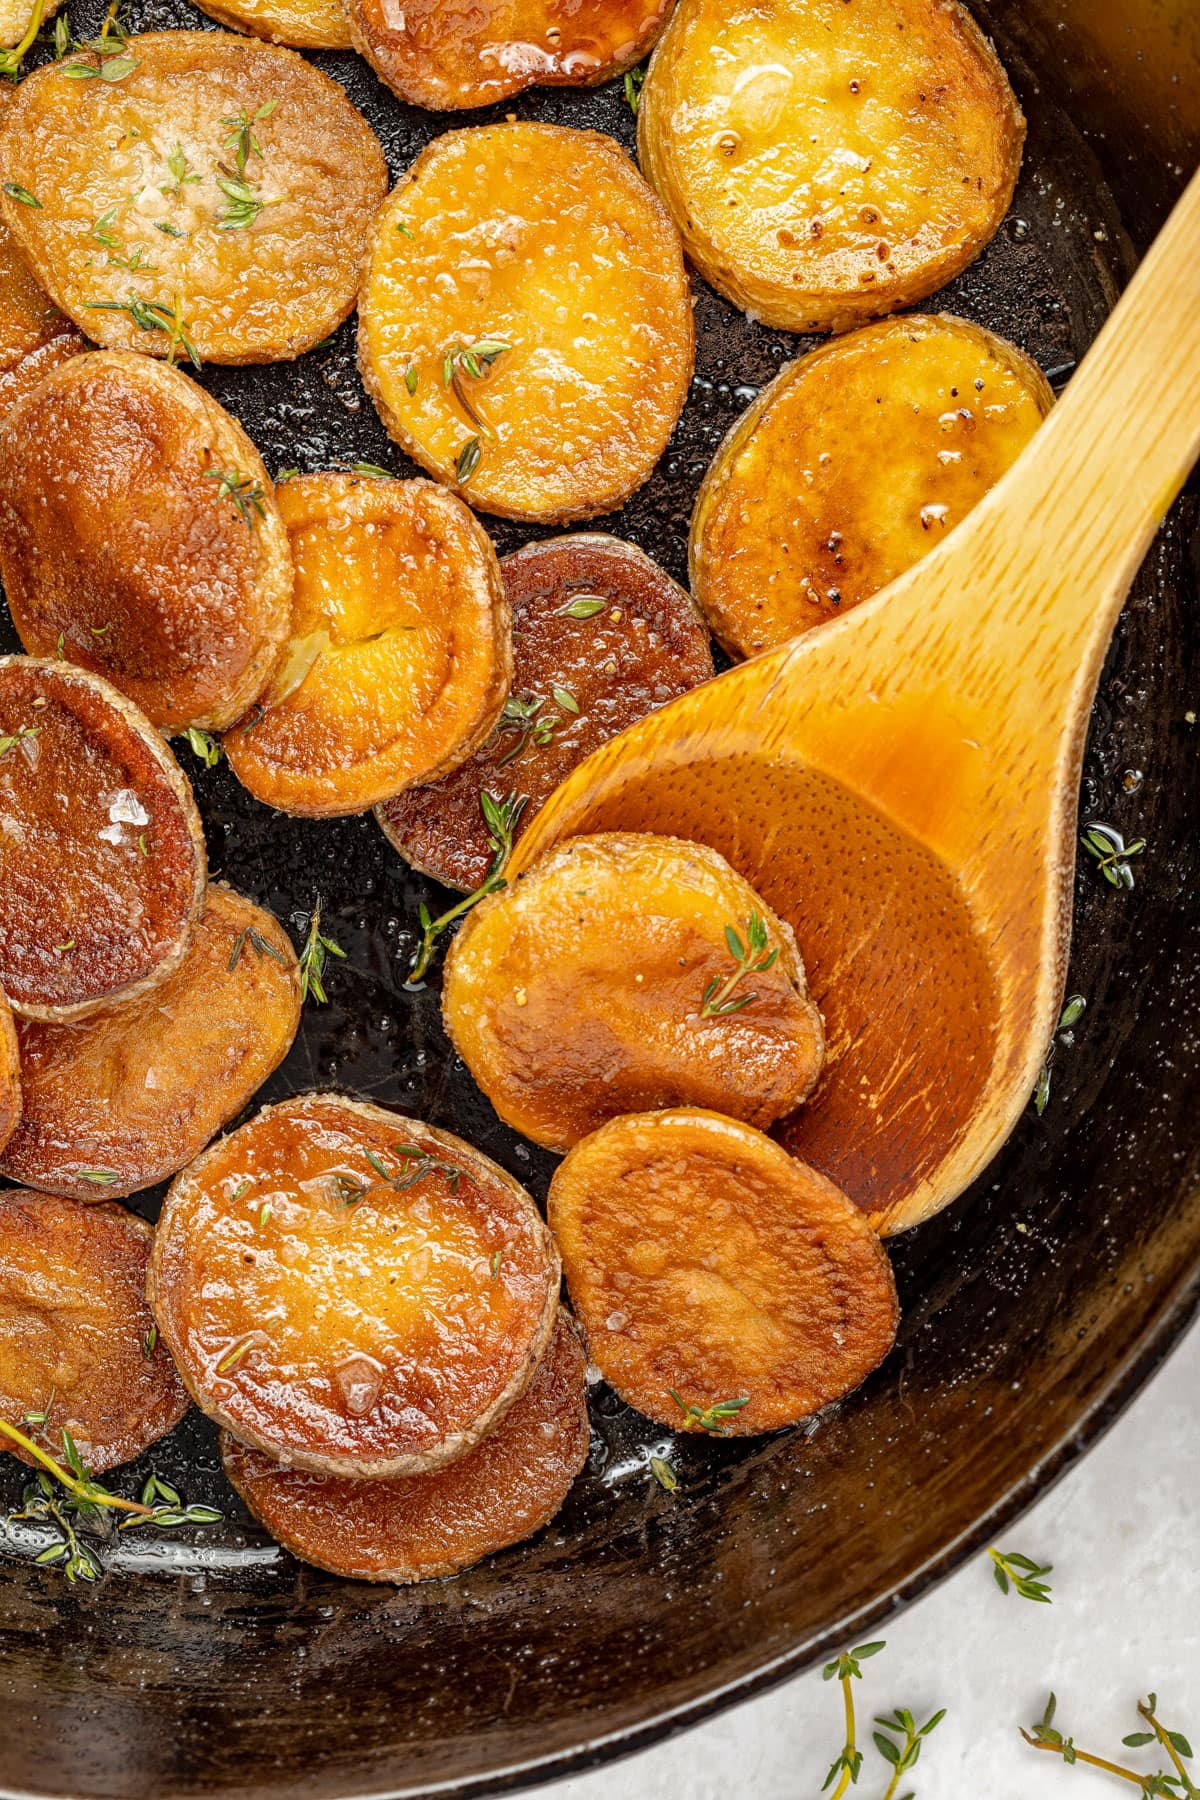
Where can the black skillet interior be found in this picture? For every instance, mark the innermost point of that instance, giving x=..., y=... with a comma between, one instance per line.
x=1033, y=1308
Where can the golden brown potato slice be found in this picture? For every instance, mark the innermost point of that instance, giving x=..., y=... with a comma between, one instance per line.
x=400, y=651
x=77, y=1340
x=606, y=981
x=352, y=1291
x=125, y=1097
x=855, y=461
x=525, y=325
x=724, y=1286
x=601, y=636
x=445, y=57
x=306, y=24
x=34, y=336
x=17, y=19
x=829, y=160
x=419, y=1526
x=100, y=845
x=211, y=204
x=139, y=537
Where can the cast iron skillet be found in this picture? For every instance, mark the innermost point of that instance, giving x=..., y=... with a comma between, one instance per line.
x=1034, y=1308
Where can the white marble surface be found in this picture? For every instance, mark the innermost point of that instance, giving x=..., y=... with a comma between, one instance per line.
x=1123, y=1532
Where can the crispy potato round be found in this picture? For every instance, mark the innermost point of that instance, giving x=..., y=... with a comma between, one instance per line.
x=306, y=24
x=127, y=1096
x=352, y=1291
x=400, y=652
x=420, y=1526
x=77, y=1340
x=525, y=324
x=855, y=461
x=601, y=636
x=139, y=538
x=445, y=57
x=829, y=160
x=264, y=175
x=16, y=16
x=604, y=982
x=100, y=843
x=724, y=1286
x=34, y=336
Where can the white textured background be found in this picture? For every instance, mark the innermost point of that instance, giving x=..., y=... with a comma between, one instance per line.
x=1123, y=1532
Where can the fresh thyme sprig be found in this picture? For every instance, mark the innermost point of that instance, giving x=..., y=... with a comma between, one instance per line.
x=154, y=315
x=711, y=1418
x=847, y=1763
x=84, y=1501
x=524, y=714
x=246, y=493
x=475, y=360
x=204, y=745
x=633, y=88
x=244, y=204
x=258, y=943
x=1025, y=1577
x=1045, y=1735
x=501, y=818
x=1111, y=853
x=241, y=139
x=904, y=1754
x=718, y=1002
x=316, y=952
x=1073, y=1010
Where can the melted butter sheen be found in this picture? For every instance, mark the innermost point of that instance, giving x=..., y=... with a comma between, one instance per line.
x=324, y=1321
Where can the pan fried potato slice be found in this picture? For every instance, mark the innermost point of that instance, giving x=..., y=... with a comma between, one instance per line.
x=34, y=335
x=605, y=981
x=306, y=24
x=525, y=324
x=77, y=1339
x=829, y=160
x=262, y=173
x=724, y=1286
x=400, y=652
x=419, y=1526
x=794, y=522
x=352, y=1291
x=445, y=57
x=139, y=538
x=100, y=844
x=126, y=1097
x=601, y=636
x=16, y=18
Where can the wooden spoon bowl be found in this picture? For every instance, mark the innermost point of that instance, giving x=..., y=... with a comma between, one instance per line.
x=902, y=784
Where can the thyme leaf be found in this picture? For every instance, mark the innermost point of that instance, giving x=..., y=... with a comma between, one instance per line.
x=1105, y=844
x=634, y=79
x=501, y=818
x=718, y=1002
x=260, y=945
x=17, y=737
x=467, y=461
x=15, y=191
x=317, y=949
x=246, y=493
x=711, y=1418
x=204, y=745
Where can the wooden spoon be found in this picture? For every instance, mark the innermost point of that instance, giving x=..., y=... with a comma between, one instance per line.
x=901, y=784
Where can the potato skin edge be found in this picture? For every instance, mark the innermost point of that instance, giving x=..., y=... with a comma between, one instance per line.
x=450, y=1448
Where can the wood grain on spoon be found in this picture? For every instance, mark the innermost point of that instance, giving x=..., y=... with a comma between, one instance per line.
x=901, y=784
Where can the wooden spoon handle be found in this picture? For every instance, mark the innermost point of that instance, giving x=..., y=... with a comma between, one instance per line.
x=1072, y=521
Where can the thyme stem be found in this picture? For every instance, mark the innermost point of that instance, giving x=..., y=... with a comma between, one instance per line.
x=82, y=1490
x=501, y=817
x=848, y=1754
x=1085, y=1756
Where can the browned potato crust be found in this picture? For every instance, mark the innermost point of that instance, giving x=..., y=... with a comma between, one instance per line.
x=76, y=1336
x=100, y=841
x=126, y=1097
x=34, y=335
x=413, y=1528
x=343, y=1305
x=446, y=57
x=855, y=461
x=306, y=24
x=272, y=216
x=829, y=160
x=540, y=254
x=639, y=643
x=580, y=992
x=703, y=1259
x=139, y=537
x=400, y=651
x=10, y=1073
